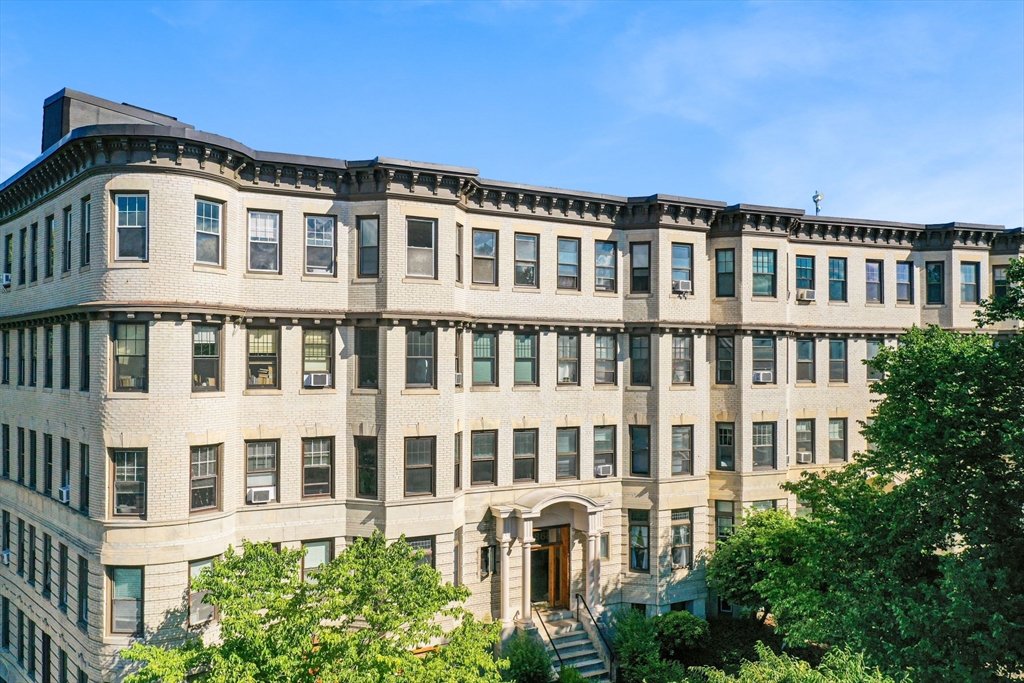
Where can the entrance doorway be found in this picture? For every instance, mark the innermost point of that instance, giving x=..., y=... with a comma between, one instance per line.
x=549, y=566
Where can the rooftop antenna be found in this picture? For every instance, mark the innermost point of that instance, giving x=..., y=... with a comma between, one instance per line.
x=817, y=202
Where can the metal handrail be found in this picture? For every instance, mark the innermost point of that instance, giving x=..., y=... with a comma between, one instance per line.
x=561, y=664
x=597, y=626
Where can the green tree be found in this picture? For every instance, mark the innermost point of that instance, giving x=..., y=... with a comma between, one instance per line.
x=528, y=659
x=681, y=636
x=837, y=666
x=357, y=621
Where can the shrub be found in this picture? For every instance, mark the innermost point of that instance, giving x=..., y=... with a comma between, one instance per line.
x=570, y=674
x=682, y=637
x=638, y=651
x=528, y=659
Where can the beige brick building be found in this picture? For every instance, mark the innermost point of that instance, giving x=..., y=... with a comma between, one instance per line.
x=561, y=396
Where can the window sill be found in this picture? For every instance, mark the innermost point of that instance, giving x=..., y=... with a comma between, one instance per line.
x=971, y=305
x=569, y=292
x=525, y=387
x=127, y=396
x=325, y=390
x=523, y=290
x=128, y=264
x=420, y=281
x=568, y=387
x=682, y=387
x=806, y=385
x=639, y=388
x=646, y=295
x=764, y=298
x=81, y=269
x=262, y=392
x=421, y=392
x=209, y=268
x=905, y=304
x=326, y=277
x=263, y=276
x=47, y=390
x=484, y=287
x=723, y=386
x=486, y=388
x=874, y=304
x=48, y=278
x=609, y=295
x=365, y=281
x=838, y=303
x=208, y=394
x=933, y=306
x=764, y=385
x=839, y=384
x=606, y=387
x=717, y=299
x=365, y=391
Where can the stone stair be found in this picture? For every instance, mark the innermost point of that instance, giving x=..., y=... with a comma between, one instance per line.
x=573, y=645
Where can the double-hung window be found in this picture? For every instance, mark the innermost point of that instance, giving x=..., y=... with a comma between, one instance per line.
x=86, y=248
x=525, y=367
x=49, y=242
x=604, y=359
x=837, y=439
x=33, y=357
x=419, y=358
x=640, y=360
x=317, y=460
x=320, y=245
x=567, y=453
x=837, y=360
x=764, y=360
x=805, y=360
x=420, y=257
x=805, y=272
x=904, y=282
x=682, y=539
x=458, y=252
x=524, y=455
x=419, y=466
x=837, y=279
x=568, y=263
x=424, y=545
x=805, y=442
x=83, y=356
x=604, y=448
x=367, y=344
x=724, y=518
x=206, y=358
x=62, y=576
x=22, y=255
x=724, y=360
x=568, y=359
x=130, y=357
x=132, y=232
x=682, y=268
x=640, y=540
x=485, y=358
x=65, y=356
x=640, y=267
x=263, y=358
x=83, y=590
x=682, y=359
x=67, y=239
x=873, y=282
x=369, y=246
x=204, y=477
x=366, y=466
x=48, y=357
x=640, y=451
x=682, y=450
x=935, y=285
x=484, y=456
x=8, y=254
x=47, y=464
x=126, y=593
x=764, y=272
x=604, y=266
x=526, y=260
x=485, y=257
x=199, y=612
x=47, y=564
x=129, y=482
x=725, y=272
x=457, y=462
x=264, y=241
x=83, y=478
x=34, y=253
x=208, y=232
x=317, y=358
x=5, y=341
x=725, y=446
x=260, y=472
x=5, y=453
x=764, y=445
x=970, y=272
x=874, y=346
x=65, y=467
x=999, y=283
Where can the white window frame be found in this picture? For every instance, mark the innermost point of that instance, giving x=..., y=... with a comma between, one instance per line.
x=275, y=240
x=317, y=229
x=213, y=225
x=118, y=226
x=432, y=248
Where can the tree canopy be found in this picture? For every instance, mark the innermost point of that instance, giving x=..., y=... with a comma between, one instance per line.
x=837, y=666
x=358, y=620
x=915, y=550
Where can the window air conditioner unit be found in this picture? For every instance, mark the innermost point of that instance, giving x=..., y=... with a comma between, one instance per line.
x=763, y=376
x=803, y=457
x=805, y=295
x=262, y=494
x=604, y=471
x=5, y=556
x=317, y=379
x=5, y=280
x=682, y=286
x=458, y=379
x=64, y=494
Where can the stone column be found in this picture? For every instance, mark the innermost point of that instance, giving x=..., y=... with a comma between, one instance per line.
x=526, y=532
x=506, y=602
x=593, y=568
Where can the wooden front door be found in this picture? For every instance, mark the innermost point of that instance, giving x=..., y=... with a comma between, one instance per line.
x=549, y=570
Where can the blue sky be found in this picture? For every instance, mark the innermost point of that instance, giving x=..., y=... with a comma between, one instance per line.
x=909, y=111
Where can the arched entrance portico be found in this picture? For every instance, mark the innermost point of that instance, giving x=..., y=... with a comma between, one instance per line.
x=579, y=513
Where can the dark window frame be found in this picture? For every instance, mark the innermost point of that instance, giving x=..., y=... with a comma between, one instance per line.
x=806, y=372
x=634, y=431
x=838, y=372
x=874, y=290
x=534, y=360
x=568, y=362
x=215, y=361
x=306, y=467
x=683, y=454
x=310, y=221
x=491, y=434
x=639, y=541
x=804, y=271
x=771, y=449
x=272, y=361
x=837, y=278
x=364, y=251
x=725, y=359
x=808, y=440
x=601, y=370
x=140, y=602
x=138, y=509
x=838, y=444
x=638, y=365
x=601, y=271
x=201, y=474
x=367, y=359
x=493, y=359
x=366, y=471
x=431, y=360
x=905, y=287
x=572, y=456
x=967, y=294
x=432, y=466
x=935, y=287
x=640, y=280
x=140, y=382
x=770, y=258
x=524, y=265
x=725, y=446
x=275, y=471
x=309, y=358
x=483, y=256
x=433, y=248
x=572, y=283
x=518, y=457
